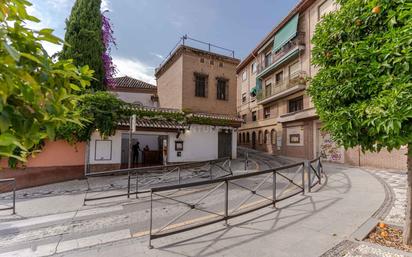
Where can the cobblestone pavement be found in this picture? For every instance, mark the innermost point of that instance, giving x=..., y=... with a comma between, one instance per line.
x=394, y=214
x=397, y=183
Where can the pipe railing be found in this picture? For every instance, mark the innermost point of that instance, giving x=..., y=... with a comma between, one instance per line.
x=146, y=177
x=5, y=186
x=286, y=182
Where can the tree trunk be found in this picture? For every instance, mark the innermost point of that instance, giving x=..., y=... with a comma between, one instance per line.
x=407, y=231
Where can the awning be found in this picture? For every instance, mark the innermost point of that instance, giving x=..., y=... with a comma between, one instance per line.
x=291, y=54
x=253, y=91
x=288, y=32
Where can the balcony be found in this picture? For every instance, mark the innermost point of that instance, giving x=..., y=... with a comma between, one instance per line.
x=297, y=43
x=296, y=83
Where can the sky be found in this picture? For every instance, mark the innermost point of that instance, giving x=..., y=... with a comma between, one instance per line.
x=147, y=30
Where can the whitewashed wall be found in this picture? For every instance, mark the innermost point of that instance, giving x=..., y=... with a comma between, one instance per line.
x=114, y=149
x=143, y=98
x=200, y=143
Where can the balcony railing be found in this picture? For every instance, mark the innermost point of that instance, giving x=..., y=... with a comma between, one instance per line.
x=299, y=78
x=299, y=40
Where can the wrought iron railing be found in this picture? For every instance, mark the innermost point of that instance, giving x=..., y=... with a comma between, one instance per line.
x=292, y=44
x=141, y=180
x=267, y=187
x=299, y=78
x=8, y=186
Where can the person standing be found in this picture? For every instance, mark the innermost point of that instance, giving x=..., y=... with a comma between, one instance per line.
x=136, y=150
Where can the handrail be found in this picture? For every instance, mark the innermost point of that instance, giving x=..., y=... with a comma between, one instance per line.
x=295, y=182
x=135, y=174
x=126, y=171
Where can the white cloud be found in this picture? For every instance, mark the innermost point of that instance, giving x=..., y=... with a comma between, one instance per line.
x=134, y=68
x=161, y=57
x=105, y=6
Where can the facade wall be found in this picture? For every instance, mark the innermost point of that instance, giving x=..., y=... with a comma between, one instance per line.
x=144, y=99
x=214, y=67
x=200, y=143
x=397, y=159
x=169, y=86
x=57, y=162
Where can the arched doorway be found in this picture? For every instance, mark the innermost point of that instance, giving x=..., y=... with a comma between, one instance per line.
x=254, y=140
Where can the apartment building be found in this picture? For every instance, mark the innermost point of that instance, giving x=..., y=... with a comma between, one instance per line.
x=279, y=116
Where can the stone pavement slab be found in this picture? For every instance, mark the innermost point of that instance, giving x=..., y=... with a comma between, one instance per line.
x=304, y=226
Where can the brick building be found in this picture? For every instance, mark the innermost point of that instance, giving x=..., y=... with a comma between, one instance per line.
x=279, y=116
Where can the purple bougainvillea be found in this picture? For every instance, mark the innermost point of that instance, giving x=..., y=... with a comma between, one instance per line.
x=108, y=42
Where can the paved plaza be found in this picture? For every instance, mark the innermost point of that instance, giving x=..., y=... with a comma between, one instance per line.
x=52, y=220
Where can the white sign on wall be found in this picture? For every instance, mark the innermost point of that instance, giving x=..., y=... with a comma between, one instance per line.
x=103, y=150
x=294, y=136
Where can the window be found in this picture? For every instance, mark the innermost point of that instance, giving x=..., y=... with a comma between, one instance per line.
x=296, y=104
x=202, y=60
x=244, y=98
x=244, y=76
x=212, y=62
x=294, y=70
x=266, y=112
x=254, y=68
x=200, y=85
x=279, y=77
x=268, y=59
x=247, y=137
x=254, y=117
x=222, y=89
x=268, y=89
x=244, y=118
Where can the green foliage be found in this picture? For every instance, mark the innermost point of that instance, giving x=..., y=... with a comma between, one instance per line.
x=363, y=90
x=84, y=39
x=36, y=93
x=102, y=111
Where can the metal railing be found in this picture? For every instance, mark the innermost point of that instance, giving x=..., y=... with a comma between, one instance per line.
x=140, y=180
x=299, y=78
x=316, y=167
x=9, y=185
x=284, y=183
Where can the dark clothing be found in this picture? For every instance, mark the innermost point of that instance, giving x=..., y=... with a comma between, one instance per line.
x=136, y=149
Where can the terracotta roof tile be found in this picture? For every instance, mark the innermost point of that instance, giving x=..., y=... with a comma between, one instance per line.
x=128, y=82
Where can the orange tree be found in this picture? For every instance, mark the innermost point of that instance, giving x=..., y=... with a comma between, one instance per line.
x=363, y=90
x=36, y=93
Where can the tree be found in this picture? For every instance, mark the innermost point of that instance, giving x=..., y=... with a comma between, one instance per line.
x=363, y=90
x=84, y=39
x=36, y=93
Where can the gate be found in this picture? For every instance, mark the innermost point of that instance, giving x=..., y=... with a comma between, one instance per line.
x=224, y=144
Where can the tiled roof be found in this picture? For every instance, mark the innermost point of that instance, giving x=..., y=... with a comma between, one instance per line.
x=128, y=82
x=217, y=116
x=154, y=109
x=151, y=123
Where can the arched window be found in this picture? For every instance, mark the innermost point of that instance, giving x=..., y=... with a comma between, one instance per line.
x=239, y=140
x=243, y=137
x=247, y=137
x=273, y=136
